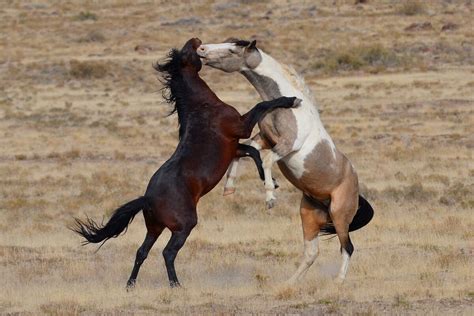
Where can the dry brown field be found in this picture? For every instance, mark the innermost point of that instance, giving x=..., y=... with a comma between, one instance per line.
x=83, y=127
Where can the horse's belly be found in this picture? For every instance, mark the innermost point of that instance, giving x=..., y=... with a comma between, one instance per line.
x=295, y=164
x=313, y=168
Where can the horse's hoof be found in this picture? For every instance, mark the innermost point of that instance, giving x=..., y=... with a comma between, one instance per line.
x=228, y=191
x=130, y=285
x=275, y=183
x=175, y=284
x=271, y=203
x=339, y=280
x=297, y=102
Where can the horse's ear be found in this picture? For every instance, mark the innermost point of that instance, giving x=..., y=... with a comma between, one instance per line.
x=253, y=45
x=252, y=56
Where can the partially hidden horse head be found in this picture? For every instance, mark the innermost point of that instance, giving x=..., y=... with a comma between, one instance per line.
x=233, y=55
x=172, y=69
x=185, y=58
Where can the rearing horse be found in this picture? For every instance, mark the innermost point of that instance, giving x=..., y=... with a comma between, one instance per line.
x=209, y=136
x=303, y=149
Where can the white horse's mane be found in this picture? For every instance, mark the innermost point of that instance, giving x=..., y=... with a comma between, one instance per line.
x=296, y=79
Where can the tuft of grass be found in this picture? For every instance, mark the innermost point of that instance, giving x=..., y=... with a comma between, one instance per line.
x=411, y=7
x=86, y=15
x=118, y=155
x=286, y=293
x=71, y=154
x=373, y=58
x=401, y=301
x=93, y=36
x=458, y=193
x=262, y=279
x=66, y=307
x=20, y=157
x=87, y=69
x=413, y=192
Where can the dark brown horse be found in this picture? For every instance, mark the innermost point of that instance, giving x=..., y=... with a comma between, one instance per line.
x=209, y=136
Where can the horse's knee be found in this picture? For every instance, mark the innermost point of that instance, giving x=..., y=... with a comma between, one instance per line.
x=267, y=161
x=347, y=246
x=310, y=257
x=311, y=251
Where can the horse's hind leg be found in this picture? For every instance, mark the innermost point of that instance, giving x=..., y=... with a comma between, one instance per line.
x=312, y=218
x=176, y=242
x=142, y=253
x=343, y=207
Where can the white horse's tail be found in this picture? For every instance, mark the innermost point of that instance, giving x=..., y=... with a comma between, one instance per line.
x=364, y=215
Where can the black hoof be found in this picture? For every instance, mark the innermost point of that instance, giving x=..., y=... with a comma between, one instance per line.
x=174, y=284
x=130, y=285
x=275, y=183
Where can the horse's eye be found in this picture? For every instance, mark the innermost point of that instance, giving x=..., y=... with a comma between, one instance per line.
x=231, y=51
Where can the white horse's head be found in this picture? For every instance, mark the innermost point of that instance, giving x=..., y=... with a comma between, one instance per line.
x=233, y=55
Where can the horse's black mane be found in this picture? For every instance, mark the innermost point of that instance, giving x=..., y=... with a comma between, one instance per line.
x=242, y=43
x=237, y=42
x=174, y=88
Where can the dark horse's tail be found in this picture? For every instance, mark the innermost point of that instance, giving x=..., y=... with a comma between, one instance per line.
x=364, y=214
x=95, y=233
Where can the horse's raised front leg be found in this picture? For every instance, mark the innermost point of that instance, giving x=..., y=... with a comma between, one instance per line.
x=251, y=118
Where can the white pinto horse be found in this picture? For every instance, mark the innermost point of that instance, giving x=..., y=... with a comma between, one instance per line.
x=304, y=151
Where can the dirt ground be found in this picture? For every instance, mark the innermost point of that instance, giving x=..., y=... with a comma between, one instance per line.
x=83, y=127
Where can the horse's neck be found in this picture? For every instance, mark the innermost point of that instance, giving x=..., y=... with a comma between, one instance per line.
x=193, y=91
x=191, y=94
x=272, y=79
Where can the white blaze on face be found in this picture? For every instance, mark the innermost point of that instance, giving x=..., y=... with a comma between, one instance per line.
x=211, y=51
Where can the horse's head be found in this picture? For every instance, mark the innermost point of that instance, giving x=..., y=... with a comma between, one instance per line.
x=233, y=55
x=188, y=55
x=179, y=60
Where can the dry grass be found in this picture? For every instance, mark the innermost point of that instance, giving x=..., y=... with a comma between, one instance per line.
x=83, y=127
x=87, y=69
x=412, y=7
x=374, y=58
x=86, y=15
